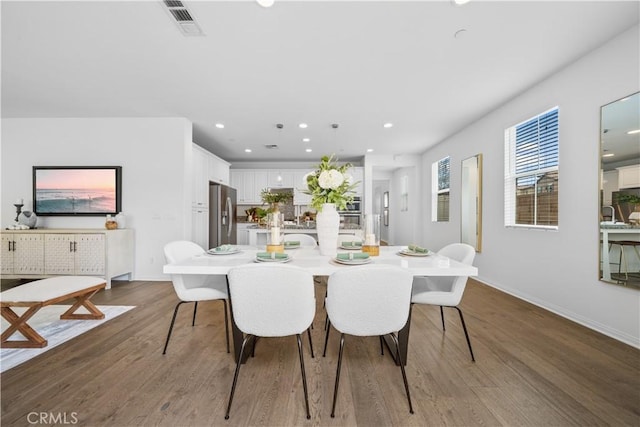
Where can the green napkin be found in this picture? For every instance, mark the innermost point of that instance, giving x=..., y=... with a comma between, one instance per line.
x=223, y=248
x=292, y=243
x=416, y=248
x=267, y=255
x=351, y=244
x=355, y=255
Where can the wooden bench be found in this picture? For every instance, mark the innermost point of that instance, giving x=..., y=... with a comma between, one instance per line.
x=41, y=293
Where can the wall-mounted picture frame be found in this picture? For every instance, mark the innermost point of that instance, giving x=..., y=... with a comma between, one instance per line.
x=385, y=199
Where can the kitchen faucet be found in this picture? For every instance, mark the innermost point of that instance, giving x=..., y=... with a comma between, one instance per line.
x=613, y=213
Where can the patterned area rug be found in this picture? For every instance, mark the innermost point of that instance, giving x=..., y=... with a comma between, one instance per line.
x=48, y=324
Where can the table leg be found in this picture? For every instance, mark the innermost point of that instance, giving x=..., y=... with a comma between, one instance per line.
x=19, y=324
x=83, y=301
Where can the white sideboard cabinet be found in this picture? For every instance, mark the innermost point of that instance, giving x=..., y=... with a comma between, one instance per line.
x=34, y=254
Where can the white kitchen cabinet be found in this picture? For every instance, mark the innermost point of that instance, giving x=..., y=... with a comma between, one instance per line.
x=22, y=253
x=206, y=168
x=34, y=254
x=261, y=178
x=629, y=176
x=358, y=176
x=280, y=178
x=243, y=233
x=200, y=227
x=200, y=184
x=300, y=198
x=218, y=169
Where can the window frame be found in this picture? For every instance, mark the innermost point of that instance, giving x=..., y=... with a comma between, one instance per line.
x=512, y=176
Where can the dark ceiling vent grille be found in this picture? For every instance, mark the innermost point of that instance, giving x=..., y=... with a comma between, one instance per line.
x=183, y=18
x=181, y=15
x=271, y=146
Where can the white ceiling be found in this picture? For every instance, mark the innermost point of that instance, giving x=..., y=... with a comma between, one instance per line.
x=358, y=64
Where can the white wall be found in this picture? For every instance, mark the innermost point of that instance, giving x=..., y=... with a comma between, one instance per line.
x=156, y=184
x=554, y=269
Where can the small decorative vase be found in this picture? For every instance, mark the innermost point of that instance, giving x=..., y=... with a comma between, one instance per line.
x=327, y=226
x=28, y=218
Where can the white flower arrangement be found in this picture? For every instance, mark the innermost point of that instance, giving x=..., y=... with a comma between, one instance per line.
x=329, y=183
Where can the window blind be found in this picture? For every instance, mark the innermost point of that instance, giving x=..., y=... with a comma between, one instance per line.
x=531, y=171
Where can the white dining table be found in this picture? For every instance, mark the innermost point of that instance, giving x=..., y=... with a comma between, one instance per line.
x=311, y=260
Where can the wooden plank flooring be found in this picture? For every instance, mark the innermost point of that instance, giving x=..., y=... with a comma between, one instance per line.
x=532, y=368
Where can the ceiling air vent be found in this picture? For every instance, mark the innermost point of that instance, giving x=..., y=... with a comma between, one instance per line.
x=271, y=146
x=183, y=18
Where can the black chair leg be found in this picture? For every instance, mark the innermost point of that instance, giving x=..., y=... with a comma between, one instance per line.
x=326, y=339
x=304, y=376
x=335, y=390
x=226, y=324
x=173, y=320
x=310, y=343
x=235, y=376
x=195, y=308
x=404, y=374
x=381, y=345
x=442, y=317
x=466, y=334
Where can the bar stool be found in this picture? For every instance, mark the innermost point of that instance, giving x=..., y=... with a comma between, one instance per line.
x=622, y=259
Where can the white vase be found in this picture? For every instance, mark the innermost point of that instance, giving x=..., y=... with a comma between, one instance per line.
x=327, y=226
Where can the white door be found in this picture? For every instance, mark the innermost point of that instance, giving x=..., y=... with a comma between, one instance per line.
x=59, y=255
x=90, y=251
x=28, y=255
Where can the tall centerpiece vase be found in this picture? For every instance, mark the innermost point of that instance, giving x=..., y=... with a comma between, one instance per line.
x=327, y=226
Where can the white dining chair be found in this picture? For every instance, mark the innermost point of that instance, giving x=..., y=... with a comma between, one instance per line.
x=304, y=239
x=271, y=301
x=446, y=291
x=194, y=288
x=368, y=301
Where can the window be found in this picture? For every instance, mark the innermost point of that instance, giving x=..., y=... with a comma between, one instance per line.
x=440, y=172
x=531, y=172
x=404, y=193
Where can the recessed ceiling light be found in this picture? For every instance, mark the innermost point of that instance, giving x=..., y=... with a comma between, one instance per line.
x=388, y=125
x=631, y=132
x=460, y=2
x=306, y=139
x=265, y=3
x=608, y=155
x=219, y=125
x=308, y=150
x=369, y=150
x=247, y=150
x=303, y=126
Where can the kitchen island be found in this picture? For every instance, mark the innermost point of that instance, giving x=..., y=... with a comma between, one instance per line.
x=258, y=235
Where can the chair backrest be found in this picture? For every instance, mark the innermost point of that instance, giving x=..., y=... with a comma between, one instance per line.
x=178, y=251
x=272, y=300
x=304, y=239
x=460, y=252
x=369, y=300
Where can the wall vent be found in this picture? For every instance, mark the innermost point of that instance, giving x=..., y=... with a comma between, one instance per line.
x=183, y=18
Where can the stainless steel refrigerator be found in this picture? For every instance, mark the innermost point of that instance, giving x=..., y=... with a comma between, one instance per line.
x=222, y=215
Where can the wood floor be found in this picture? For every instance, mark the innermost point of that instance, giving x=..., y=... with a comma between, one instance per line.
x=532, y=368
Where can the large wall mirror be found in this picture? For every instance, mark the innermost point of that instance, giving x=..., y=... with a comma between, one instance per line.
x=620, y=192
x=471, y=208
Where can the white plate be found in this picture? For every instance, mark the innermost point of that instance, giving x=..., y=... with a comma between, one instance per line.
x=351, y=248
x=287, y=259
x=407, y=252
x=229, y=252
x=353, y=261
